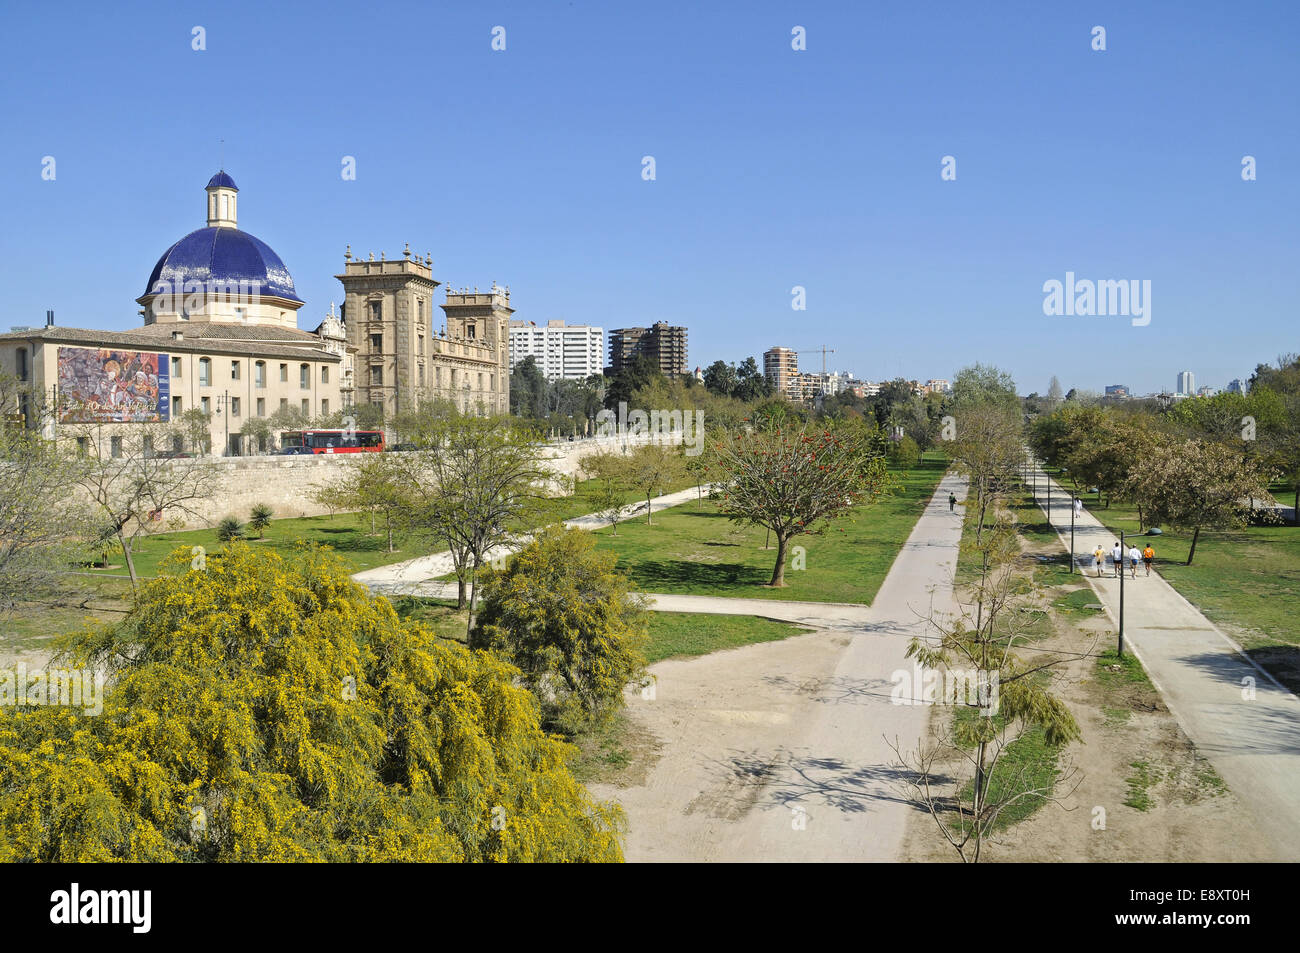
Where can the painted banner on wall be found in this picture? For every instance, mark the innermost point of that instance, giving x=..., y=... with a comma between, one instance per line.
x=107, y=384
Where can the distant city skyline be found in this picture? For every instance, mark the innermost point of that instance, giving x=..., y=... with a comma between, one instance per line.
x=781, y=177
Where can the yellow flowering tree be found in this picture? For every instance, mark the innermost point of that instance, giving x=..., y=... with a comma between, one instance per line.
x=263, y=708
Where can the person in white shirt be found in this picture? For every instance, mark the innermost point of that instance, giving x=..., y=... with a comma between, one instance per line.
x=1117, y=557
x=1134, y=557
x=1078, y=506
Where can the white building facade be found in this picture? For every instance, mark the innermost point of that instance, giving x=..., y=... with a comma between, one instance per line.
x=562, y=351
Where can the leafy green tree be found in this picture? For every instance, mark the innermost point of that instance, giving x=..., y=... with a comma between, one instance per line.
x=527, y=390
x=982, y=384
x=1197, y=484
x=473, y=490
x=258, y=432
x=751, y=383
x=794, y=481
x=268, y=709
x=641, y=372
x=193, y=428
x=569, y=621
x=720, y=378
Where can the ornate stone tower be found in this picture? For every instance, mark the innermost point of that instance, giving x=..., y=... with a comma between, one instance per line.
x=388, y=306
x=481, y=320
x=401, y=361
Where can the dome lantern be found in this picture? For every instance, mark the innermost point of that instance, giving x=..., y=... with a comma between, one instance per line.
x=222, y=198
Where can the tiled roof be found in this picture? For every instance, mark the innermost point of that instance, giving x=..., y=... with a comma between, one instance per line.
x=91, y=337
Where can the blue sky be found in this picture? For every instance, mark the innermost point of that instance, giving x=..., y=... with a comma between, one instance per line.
x=775, y=168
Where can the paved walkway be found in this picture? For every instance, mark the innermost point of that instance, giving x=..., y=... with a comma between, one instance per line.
x=402, y=577
x=779, y=751
x=1254, y=743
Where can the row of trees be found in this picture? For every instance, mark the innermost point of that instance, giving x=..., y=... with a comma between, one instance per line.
x=1177, y=471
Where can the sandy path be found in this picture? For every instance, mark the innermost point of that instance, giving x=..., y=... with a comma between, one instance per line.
x=777, y=751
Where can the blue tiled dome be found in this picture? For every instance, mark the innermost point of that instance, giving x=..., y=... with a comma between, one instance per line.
x=221, y=180
x=223, y=255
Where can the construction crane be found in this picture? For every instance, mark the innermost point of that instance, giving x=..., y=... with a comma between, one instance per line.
x=823, y=350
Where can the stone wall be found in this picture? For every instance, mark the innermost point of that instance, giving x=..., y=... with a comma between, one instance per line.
x=285, y=483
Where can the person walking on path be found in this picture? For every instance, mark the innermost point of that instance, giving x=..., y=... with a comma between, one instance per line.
x=1078, y=507
x=1117, y=557
x=1134, y=554
x=952, y=503
x=1099, y=557
x=1148, y=556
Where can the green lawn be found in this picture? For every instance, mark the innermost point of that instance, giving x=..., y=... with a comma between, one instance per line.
x=672, y=634
x=686, y=634
x=694, y=549
x=349, y=534
x=1247, y=580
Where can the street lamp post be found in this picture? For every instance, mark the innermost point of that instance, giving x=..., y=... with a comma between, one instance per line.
x=1048, y=480
x=1120, y=569
x=1072, y=508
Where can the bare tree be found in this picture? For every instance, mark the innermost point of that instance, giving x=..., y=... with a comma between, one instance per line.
x=608, y=471
x=651, y=467
x=39, y=514
x=131, y=486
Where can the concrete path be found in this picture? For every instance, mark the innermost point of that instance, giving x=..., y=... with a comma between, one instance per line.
x=778, y=751
x=391, y=579
x=1253, y=742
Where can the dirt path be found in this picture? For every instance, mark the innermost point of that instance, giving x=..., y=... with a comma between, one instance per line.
x=778, y=751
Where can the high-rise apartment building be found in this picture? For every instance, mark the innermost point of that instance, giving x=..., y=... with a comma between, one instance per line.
x=562, y=351
x=1186, y=383
x=780, y=366
x=663, y=344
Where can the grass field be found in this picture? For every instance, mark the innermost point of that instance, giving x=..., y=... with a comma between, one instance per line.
x=349, y=534
x=687, y=634
x=672, y=634
x=694, y=549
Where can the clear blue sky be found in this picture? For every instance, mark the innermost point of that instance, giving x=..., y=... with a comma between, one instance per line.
x=775, y=168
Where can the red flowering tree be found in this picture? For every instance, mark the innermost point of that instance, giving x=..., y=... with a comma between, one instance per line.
x=795, y=480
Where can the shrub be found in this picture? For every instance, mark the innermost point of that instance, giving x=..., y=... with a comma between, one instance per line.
x=259, y=518
x=569, y=621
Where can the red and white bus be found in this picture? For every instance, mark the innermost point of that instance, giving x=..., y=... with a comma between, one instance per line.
x=332, y=441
